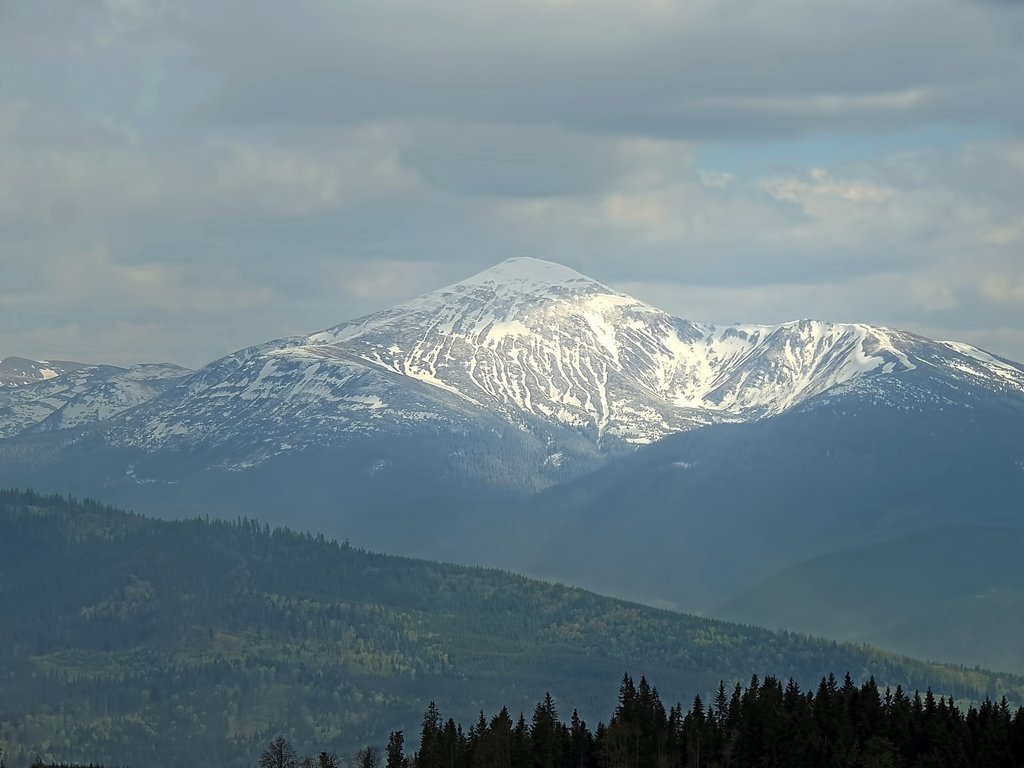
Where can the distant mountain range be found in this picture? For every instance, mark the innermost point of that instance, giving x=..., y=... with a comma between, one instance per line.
x=43, y=396
x=581, y=370
x=17, y=371
x=534, y=418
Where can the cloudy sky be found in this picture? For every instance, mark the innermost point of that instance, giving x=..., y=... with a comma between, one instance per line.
x=181, y=178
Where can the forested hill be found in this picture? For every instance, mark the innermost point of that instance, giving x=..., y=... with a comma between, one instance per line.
x=133, y=641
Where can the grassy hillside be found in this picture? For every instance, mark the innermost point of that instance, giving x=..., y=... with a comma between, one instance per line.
x=128, y=640
x=950, y=593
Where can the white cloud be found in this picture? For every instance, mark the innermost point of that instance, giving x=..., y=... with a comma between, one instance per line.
x=1005, y=289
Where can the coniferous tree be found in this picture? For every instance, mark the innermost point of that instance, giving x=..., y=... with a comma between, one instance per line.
x=480, y=744
x=429, y=755
x=1017, y=737
x=501, y=733
x=800, y=741
x=544, y=741
x=652, y=725
x=396, y=750
x=520, y=746
x=452, y=745
x=721, y=706
x=368, y=757
x=581, y=743
x=899, y=727
x=621, y=743
x=694, y=734
x=279, y=754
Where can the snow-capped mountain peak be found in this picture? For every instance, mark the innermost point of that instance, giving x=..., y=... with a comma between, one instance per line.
x=527, y=275
x=503, y=293
x=537, y=348
x=537, y=343
x=529, y=338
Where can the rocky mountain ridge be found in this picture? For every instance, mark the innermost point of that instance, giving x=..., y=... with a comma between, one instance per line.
x=65, y=396
x=579, y=369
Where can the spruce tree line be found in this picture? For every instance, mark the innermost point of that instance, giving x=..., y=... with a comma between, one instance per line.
x=767, y=724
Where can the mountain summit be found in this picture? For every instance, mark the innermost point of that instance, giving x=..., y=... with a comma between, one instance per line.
x=530, y=338
x=526, y=274
x=513, y=287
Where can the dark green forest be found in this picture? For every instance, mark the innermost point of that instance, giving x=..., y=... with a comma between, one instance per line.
x=767, y=724
x=764, y=725
x=131, y=641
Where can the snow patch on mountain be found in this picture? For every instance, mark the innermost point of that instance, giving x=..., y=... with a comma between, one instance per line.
x=531, y=337
x=80, y=396
x=983, y=365
x=19, y=371
x=527, y=346
x=538, y=343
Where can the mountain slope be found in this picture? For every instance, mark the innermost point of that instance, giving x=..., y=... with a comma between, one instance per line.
x=947, y=593
x=146, y=642
x=701, y=516
x=78, y=395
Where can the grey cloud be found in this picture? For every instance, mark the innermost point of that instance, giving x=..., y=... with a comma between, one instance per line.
x=515, y=161
x=715, y=71
x=299, y=166
x=692, y=70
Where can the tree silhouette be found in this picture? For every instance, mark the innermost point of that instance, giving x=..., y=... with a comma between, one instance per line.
x=280, y=754
x=368, y=757
x=396, y=750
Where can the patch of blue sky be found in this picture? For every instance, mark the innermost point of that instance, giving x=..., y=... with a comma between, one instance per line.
x=826, y=150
